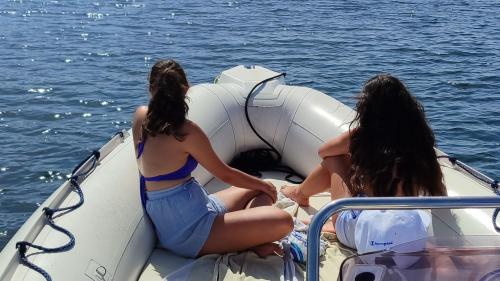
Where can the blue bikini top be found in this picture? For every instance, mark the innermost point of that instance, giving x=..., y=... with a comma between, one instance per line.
x=181, y=173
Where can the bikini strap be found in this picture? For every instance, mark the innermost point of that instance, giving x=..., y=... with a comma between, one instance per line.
x=142, y=142
x=140, y=148
x=181, y=173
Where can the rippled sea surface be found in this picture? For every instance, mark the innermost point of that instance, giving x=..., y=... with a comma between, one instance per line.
x=72, y=72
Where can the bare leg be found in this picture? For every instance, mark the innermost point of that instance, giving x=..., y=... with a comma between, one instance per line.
x=236, y=198
x=247, y=229
x=328, y=227
x=260, y=200
x=267, y=249
x=318, y=181
x=338, y=167
x=332, y=174
x=333, y=171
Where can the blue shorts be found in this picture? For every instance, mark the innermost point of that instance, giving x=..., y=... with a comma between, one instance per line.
x=345, y=227
x=183, y=216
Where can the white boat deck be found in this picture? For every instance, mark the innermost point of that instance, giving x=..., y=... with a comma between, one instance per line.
x=162, y=263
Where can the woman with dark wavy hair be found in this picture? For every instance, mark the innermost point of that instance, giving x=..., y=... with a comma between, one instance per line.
x=187, y=220
x=387, y=151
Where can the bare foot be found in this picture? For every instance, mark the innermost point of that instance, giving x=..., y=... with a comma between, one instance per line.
x=327, y=227
x=267, y=249
x=293, y=193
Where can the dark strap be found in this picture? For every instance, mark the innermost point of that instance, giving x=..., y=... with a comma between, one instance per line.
x=140, y=148
x=143, y=191
x=183, y=172
x=179, y=174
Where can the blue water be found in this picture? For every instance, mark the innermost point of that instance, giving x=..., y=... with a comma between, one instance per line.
x=72, y=71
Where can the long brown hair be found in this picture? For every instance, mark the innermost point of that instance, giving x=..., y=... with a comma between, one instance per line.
x=167, y=107
x=392, y=142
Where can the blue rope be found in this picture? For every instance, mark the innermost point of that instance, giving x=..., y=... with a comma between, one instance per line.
x=494, y=185
x=23, y=246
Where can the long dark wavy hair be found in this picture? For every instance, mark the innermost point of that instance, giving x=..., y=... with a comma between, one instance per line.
x=392, y=142
x=167, y=107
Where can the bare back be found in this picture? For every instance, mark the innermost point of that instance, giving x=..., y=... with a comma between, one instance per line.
x=162, y=154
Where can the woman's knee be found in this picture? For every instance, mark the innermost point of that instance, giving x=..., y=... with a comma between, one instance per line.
x=244, y=191
x=337, y=164
x=284, y=222
x=276, y=219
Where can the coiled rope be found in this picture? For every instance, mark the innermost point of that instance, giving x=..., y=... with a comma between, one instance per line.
x=49, y=213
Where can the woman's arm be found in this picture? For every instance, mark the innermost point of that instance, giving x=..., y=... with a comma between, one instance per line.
x=336, y=146
x=198, y=145
x=139, y=116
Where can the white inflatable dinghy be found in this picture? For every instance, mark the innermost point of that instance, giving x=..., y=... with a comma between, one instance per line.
x=114, y=240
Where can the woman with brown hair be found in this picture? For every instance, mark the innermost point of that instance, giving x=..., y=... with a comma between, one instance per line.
x=187, y=220
x=387, y=151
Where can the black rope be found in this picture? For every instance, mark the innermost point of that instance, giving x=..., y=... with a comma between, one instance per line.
x=493, y=183
x=495, y=215
x=278, y=155
x=49, y=213
x=264, y=159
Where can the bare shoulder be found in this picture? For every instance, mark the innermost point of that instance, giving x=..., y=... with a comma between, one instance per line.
x=140, y=113
x=194, y=134
x=191, y=127
x=139, y=117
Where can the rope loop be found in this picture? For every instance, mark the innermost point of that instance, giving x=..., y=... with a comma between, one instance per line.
x=265, y=159
x=495, y=214
x=248, y=116
x=494, y=185
x=48, y=212
x=453, y=160
x=22, y=246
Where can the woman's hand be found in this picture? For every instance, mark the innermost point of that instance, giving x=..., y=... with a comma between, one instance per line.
x=269, y=189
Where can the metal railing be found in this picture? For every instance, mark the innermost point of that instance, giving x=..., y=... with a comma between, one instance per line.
x=381, y=203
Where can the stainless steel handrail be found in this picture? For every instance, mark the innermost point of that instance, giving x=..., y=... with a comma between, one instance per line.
x=381, y=203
